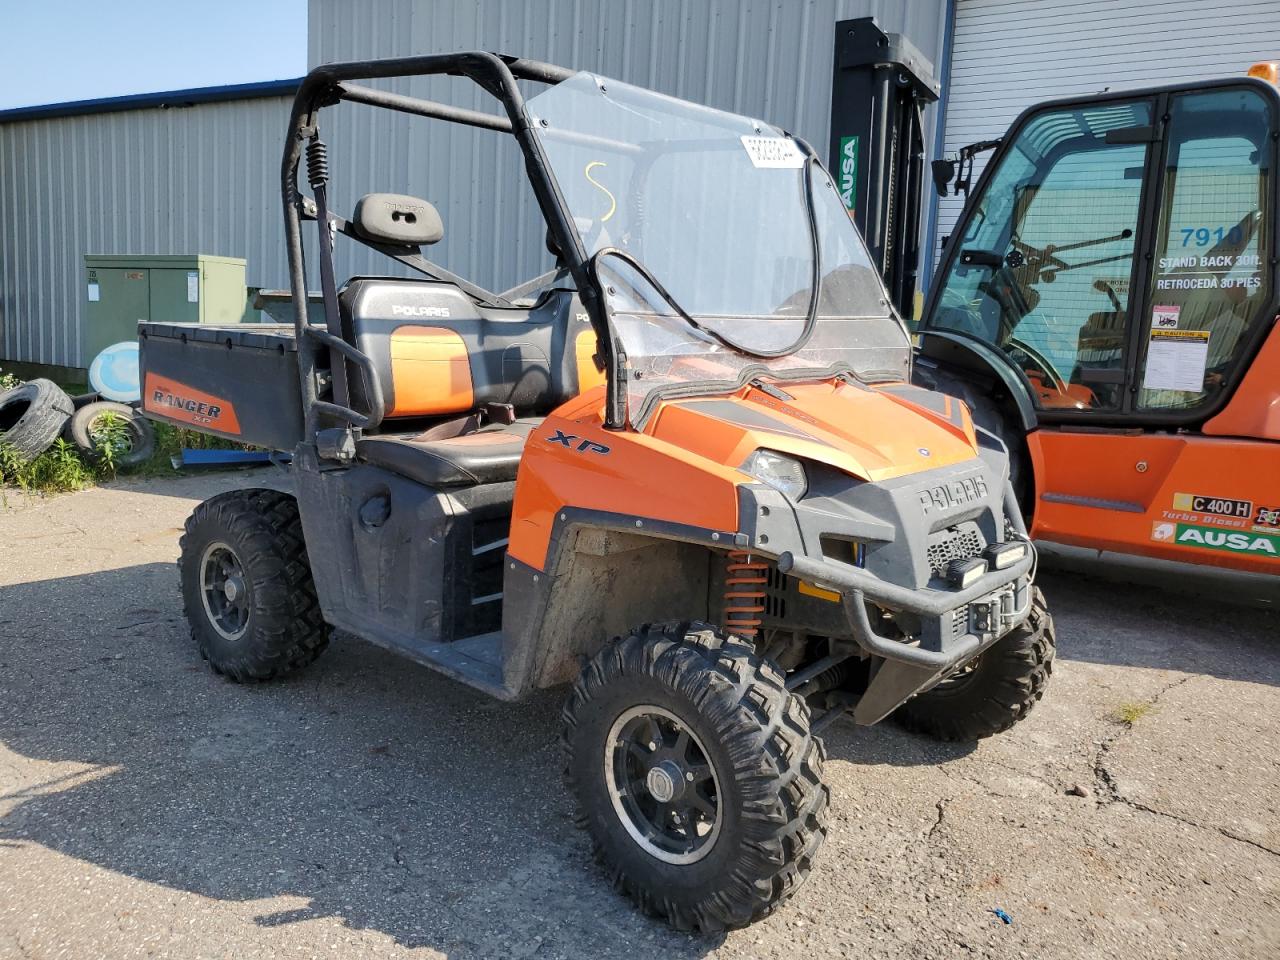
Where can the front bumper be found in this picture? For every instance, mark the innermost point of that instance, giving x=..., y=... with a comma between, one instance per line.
x=896, y=607
x=956, y=624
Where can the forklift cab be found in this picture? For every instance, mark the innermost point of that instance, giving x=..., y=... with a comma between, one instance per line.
x=1106, y=296
x=1102, y=223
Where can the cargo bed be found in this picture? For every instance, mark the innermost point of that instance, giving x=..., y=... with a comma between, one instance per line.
x=238, y=382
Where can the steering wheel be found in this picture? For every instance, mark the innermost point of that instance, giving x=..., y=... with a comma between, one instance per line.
x=1039, y=362
x=1041, y=259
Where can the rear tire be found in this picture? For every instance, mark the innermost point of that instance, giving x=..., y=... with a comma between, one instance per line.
x=32, y=415
x=747, y=810
x=996, y=690
x=247, y=587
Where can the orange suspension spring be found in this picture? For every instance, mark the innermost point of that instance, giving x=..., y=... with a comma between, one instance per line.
x=744, y=593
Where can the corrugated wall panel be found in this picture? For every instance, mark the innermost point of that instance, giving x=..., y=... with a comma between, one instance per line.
x=203, y=179
x=198, y=179
x=766, y=58
x=1010, y=54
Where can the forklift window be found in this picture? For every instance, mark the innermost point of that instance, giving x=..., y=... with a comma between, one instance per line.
x=1212, y=266
x=1044, y=263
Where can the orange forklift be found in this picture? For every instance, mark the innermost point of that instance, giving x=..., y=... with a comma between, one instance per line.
x=1106, y=305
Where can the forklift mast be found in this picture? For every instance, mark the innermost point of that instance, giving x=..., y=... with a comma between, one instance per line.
x=880, y=86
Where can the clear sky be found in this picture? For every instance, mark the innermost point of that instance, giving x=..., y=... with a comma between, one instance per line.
x=57, y=50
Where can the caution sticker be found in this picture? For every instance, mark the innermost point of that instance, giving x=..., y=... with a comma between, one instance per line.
x=1165, y=317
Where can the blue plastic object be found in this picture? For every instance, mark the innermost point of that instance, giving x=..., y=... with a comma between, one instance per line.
x=220, y=458
x=114, y=373
x=1003, y=916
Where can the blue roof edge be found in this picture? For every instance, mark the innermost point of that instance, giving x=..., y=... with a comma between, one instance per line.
x=142, y=101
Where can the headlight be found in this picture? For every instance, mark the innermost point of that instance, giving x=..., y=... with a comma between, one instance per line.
x=965, y=573
x=782, y=473
x=1003, y=555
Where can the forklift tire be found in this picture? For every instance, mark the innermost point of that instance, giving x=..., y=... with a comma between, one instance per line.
x=987, y=415
x=683, y=712
x=991, y=416
x=32, y=416
x=994, y=691
x=247, y=587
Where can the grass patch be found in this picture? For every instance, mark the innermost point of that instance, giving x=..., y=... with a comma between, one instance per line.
x=1131, y=711
x=171, y=441
x=60, y=469
x=63, y=469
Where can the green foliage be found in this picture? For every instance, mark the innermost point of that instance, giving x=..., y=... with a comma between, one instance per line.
x=62, y=469
x=171, y=441
x=59, y=469
x=111, y=438
x=1131, y=712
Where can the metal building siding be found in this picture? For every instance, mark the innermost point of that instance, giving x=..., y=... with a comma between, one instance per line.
x=1009, y=54
x=198, y=179
x=766, y=58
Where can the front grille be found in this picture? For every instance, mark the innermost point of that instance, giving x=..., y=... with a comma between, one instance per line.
x=953, y=543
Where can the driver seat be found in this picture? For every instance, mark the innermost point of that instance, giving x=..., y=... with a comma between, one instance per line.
x=489, y=454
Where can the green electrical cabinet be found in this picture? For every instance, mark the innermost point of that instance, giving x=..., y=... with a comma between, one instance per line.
x=121, y=290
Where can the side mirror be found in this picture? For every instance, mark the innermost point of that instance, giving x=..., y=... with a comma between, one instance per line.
x=944, y=172
x=393, y=218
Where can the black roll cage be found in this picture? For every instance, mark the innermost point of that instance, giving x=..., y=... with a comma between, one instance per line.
x=328, y=85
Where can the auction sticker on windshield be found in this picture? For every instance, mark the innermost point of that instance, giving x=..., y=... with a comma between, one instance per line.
x=773, y=152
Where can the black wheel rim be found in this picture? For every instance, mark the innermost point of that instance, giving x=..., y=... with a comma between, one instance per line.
x=663, y=785
x=224, y=591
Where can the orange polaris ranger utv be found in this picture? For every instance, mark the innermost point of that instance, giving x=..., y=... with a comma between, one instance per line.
x=1107, y=305
x=684, y=472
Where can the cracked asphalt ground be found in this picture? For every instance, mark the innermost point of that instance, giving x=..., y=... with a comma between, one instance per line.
x=368, y=807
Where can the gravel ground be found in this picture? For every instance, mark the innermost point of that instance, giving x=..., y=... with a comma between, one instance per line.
x=368, y=807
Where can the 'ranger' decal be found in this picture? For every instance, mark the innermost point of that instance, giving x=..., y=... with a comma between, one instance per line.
x=177, y=401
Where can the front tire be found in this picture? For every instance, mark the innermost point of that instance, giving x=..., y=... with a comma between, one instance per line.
x=247, y=588
x=995, y=691
x=695, y=774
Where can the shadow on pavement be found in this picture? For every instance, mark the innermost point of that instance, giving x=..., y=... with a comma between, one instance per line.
x=1128, y=611
x=373, y=789
x=379, y=792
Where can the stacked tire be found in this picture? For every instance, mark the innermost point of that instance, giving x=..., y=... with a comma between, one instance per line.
x=132, y=444
x=32, y=416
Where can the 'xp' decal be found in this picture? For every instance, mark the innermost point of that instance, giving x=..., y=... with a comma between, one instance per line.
x=586, y=446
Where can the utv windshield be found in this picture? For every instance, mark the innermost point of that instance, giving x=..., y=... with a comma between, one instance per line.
x=702, y=228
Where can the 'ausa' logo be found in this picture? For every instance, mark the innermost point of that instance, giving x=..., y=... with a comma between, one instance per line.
x=957, y=493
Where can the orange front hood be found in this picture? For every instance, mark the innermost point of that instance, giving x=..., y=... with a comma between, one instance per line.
x=873, y=433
